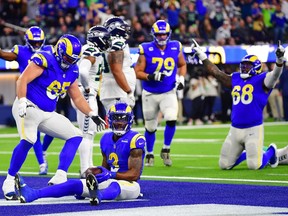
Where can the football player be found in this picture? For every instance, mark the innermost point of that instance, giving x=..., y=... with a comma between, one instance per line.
x=123, y=152
x=90, y=67
x=118, y=76
x=35, y=41
x=251, y=88
x=47, y=76
x=158, y=64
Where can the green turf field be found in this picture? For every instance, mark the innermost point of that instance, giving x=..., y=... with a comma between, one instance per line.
x=195, y=151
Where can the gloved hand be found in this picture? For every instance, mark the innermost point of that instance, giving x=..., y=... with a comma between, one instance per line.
x=104, y=175
x=198, y=51
x=156, y=76
x=131, y=97
x=100, y=123
x=280, y=53
x=180, y=83
x=22, y=107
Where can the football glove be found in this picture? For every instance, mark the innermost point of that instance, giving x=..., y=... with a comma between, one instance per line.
x=104, y=175
x=22, y=107
x=156, y=76
x=131, y=97
x=198, y=51
x=100, y=123
x=180, y=83
x=280, y=51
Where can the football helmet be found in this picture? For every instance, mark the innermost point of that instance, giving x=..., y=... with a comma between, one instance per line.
x=34, y=38
x=120, y=118
x=99, y=37
x=250, y=65
x=67, y=51
x=117, y=27
x=159, y=28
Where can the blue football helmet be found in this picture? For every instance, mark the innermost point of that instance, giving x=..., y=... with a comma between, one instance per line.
x=67, y=51
x=99, y=37
x=159, y=28
x=120, y=118
x=117, y=27
x=34, y=38
x=250, y=65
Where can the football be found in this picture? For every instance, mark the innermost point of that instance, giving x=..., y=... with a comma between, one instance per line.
x=93, y=170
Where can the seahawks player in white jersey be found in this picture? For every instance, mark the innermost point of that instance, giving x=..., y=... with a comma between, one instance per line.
x=118, y=77
x=90, y=66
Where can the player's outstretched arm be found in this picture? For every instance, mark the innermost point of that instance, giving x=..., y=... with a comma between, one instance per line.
x=212, y=69
x=9, y=56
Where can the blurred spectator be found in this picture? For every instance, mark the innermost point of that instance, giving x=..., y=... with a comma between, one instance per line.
x=138, y=35
x=283, y=87
x=278, y=20
x=267, y=10
x=173, y=14
x=223, y=34
x=259, y=31
x=218, y=16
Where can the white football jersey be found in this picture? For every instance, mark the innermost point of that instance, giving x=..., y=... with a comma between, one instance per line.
x=93, y=75
x=109, y=87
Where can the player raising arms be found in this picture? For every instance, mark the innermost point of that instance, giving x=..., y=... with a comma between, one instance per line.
x=123, y=153
x=118, y=77
x=158, y=64
x=250, y=91
x=46, y=77
x=35, y=41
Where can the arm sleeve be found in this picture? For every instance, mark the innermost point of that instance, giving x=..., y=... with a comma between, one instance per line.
x=272, y=77
x=84, y=68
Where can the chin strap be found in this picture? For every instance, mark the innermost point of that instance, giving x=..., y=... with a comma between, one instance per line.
x=245, y=76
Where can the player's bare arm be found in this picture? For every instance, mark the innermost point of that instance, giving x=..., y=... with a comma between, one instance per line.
x=31, y=72
x=9, y=56
x=115, y=60
x=104, y=161
x=182, y=67
x=140, y=68
x=218, y=74
x=134, y=164
x=78, y=98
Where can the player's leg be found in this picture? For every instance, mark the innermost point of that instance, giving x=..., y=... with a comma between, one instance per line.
x=47, y=140
x=169, y=108
x=150, y=108
x=27, y=194
x=231, y=149
x=27, y=129
x=59, y=126
x=43, y=166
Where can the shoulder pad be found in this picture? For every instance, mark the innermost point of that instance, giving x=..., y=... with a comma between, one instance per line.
x=91, y=51
x=15, y=49
x=138, y=141
x=40, y=60
x=118, y=44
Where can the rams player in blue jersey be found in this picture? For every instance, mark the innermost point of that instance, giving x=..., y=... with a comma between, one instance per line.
x=250, y=91
x=35, y=41
x=158, y=64
x=48, y=76
x=123, y=153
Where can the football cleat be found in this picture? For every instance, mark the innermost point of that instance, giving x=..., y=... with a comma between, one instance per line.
x=274, y=159
x=92, y=184
x=9, y=190
x=165, y=155
x=149, y=160
x=43, y=169
x=57, y=179
x=25, y=193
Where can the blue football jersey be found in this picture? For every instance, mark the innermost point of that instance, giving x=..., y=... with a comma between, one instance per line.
x=24, y=53
x=249, y=99
x=44, y=91
x=117, y=153
x=165, y=61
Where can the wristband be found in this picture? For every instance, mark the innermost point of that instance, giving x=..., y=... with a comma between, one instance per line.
x=113, y=175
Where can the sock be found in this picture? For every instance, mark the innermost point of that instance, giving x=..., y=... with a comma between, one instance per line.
x=150, y=140
x=47, y=140
x=111, y=192
x=85, y=154
x=169, y=134
x=68, y=152
x=70, y=187
x=266, y=157
x=241, y=158
x=19, y=155
x=38, y=149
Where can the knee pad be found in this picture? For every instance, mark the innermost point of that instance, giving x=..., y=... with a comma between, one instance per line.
x=151, y=125
x=171, y=123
